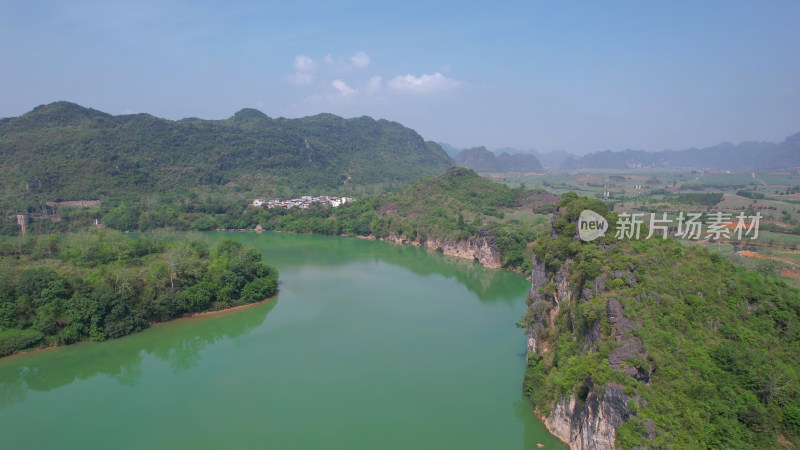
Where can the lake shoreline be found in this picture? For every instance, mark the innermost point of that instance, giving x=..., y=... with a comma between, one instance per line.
x=474, y=249
x=218, y=311
x=149, y=325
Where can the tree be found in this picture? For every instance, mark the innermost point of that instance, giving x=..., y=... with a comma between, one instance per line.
x=177, y=258
x=259, y=289
x=766, y=266
x=199, y=296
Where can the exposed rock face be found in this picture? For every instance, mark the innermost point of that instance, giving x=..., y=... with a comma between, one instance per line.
x=538, y=277
x=593, y=423
x=539, y=280
x=630, y=346
x=481, y=248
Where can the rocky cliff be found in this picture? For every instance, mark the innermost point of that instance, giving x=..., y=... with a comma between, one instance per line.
x=586, y=419
x=592, y=423
x=588, y=416
x=656, y=344
x=481, y=248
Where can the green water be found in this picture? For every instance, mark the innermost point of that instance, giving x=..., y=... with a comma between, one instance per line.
x=369, y=345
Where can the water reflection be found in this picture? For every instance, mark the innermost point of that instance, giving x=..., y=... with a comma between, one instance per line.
x=294, y=250
x=179, y=343
x=349, y=340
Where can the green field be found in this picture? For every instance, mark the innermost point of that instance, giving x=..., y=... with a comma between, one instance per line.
x=772, y=194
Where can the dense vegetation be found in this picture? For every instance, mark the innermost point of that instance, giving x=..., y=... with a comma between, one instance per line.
x=709, y=359
x=750, y=194
x=705, y=199
x=65, y=152
x=456, y=206
x=98, y=285
x=170, y=210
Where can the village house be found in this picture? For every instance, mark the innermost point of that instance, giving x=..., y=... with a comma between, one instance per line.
x=303, y=202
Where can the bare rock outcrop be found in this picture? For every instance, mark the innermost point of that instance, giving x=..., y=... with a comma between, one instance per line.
x=481, y=248
x=592, y=423
x=629, y=346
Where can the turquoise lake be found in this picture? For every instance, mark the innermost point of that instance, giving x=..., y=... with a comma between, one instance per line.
x=369, y=345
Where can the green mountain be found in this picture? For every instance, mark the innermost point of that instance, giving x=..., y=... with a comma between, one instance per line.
x=63, y=151
x=655, y=344
x=482, y=160
x=551, y=160
x=477, y=158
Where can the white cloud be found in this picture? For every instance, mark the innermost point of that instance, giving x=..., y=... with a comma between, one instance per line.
x=303, y=63
x=304, y=68
x=343, y=88
x=325, y=79
x=423, y=84
x=360, y=60
x=374, y=84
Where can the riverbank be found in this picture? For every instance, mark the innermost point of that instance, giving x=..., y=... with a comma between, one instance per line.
x=219, y=311
x=67, y=295
x=150, y=324
x=479, y=248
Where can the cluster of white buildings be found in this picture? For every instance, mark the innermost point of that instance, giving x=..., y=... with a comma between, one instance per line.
x=302, y=202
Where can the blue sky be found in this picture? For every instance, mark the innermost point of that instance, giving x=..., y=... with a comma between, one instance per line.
x=578, y=76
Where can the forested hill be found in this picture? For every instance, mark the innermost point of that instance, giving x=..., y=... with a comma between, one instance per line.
x=658, y=344
x=482, y=160
x=63, y=151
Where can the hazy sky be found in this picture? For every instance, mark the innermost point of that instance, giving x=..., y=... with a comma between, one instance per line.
x=579, y=76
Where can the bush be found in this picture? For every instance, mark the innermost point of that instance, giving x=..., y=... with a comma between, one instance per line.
x=258, y=289
x=13, y=340
x=791, y=418
x=199, y=296
x=750, y=194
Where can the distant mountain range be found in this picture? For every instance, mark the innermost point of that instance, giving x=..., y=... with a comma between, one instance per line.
x=482, y=160
x=64, y=151
x=549, y=160
x=725, y=156
x=449, y=149
x=545, y=160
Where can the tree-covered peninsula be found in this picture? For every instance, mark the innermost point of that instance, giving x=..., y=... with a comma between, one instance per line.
x=99, y=285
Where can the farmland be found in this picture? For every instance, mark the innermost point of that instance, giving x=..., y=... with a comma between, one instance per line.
x=773, y=195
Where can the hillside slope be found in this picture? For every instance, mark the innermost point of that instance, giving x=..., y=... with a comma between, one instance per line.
x=63, y=151
x=459, y=213
x=655, y=344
